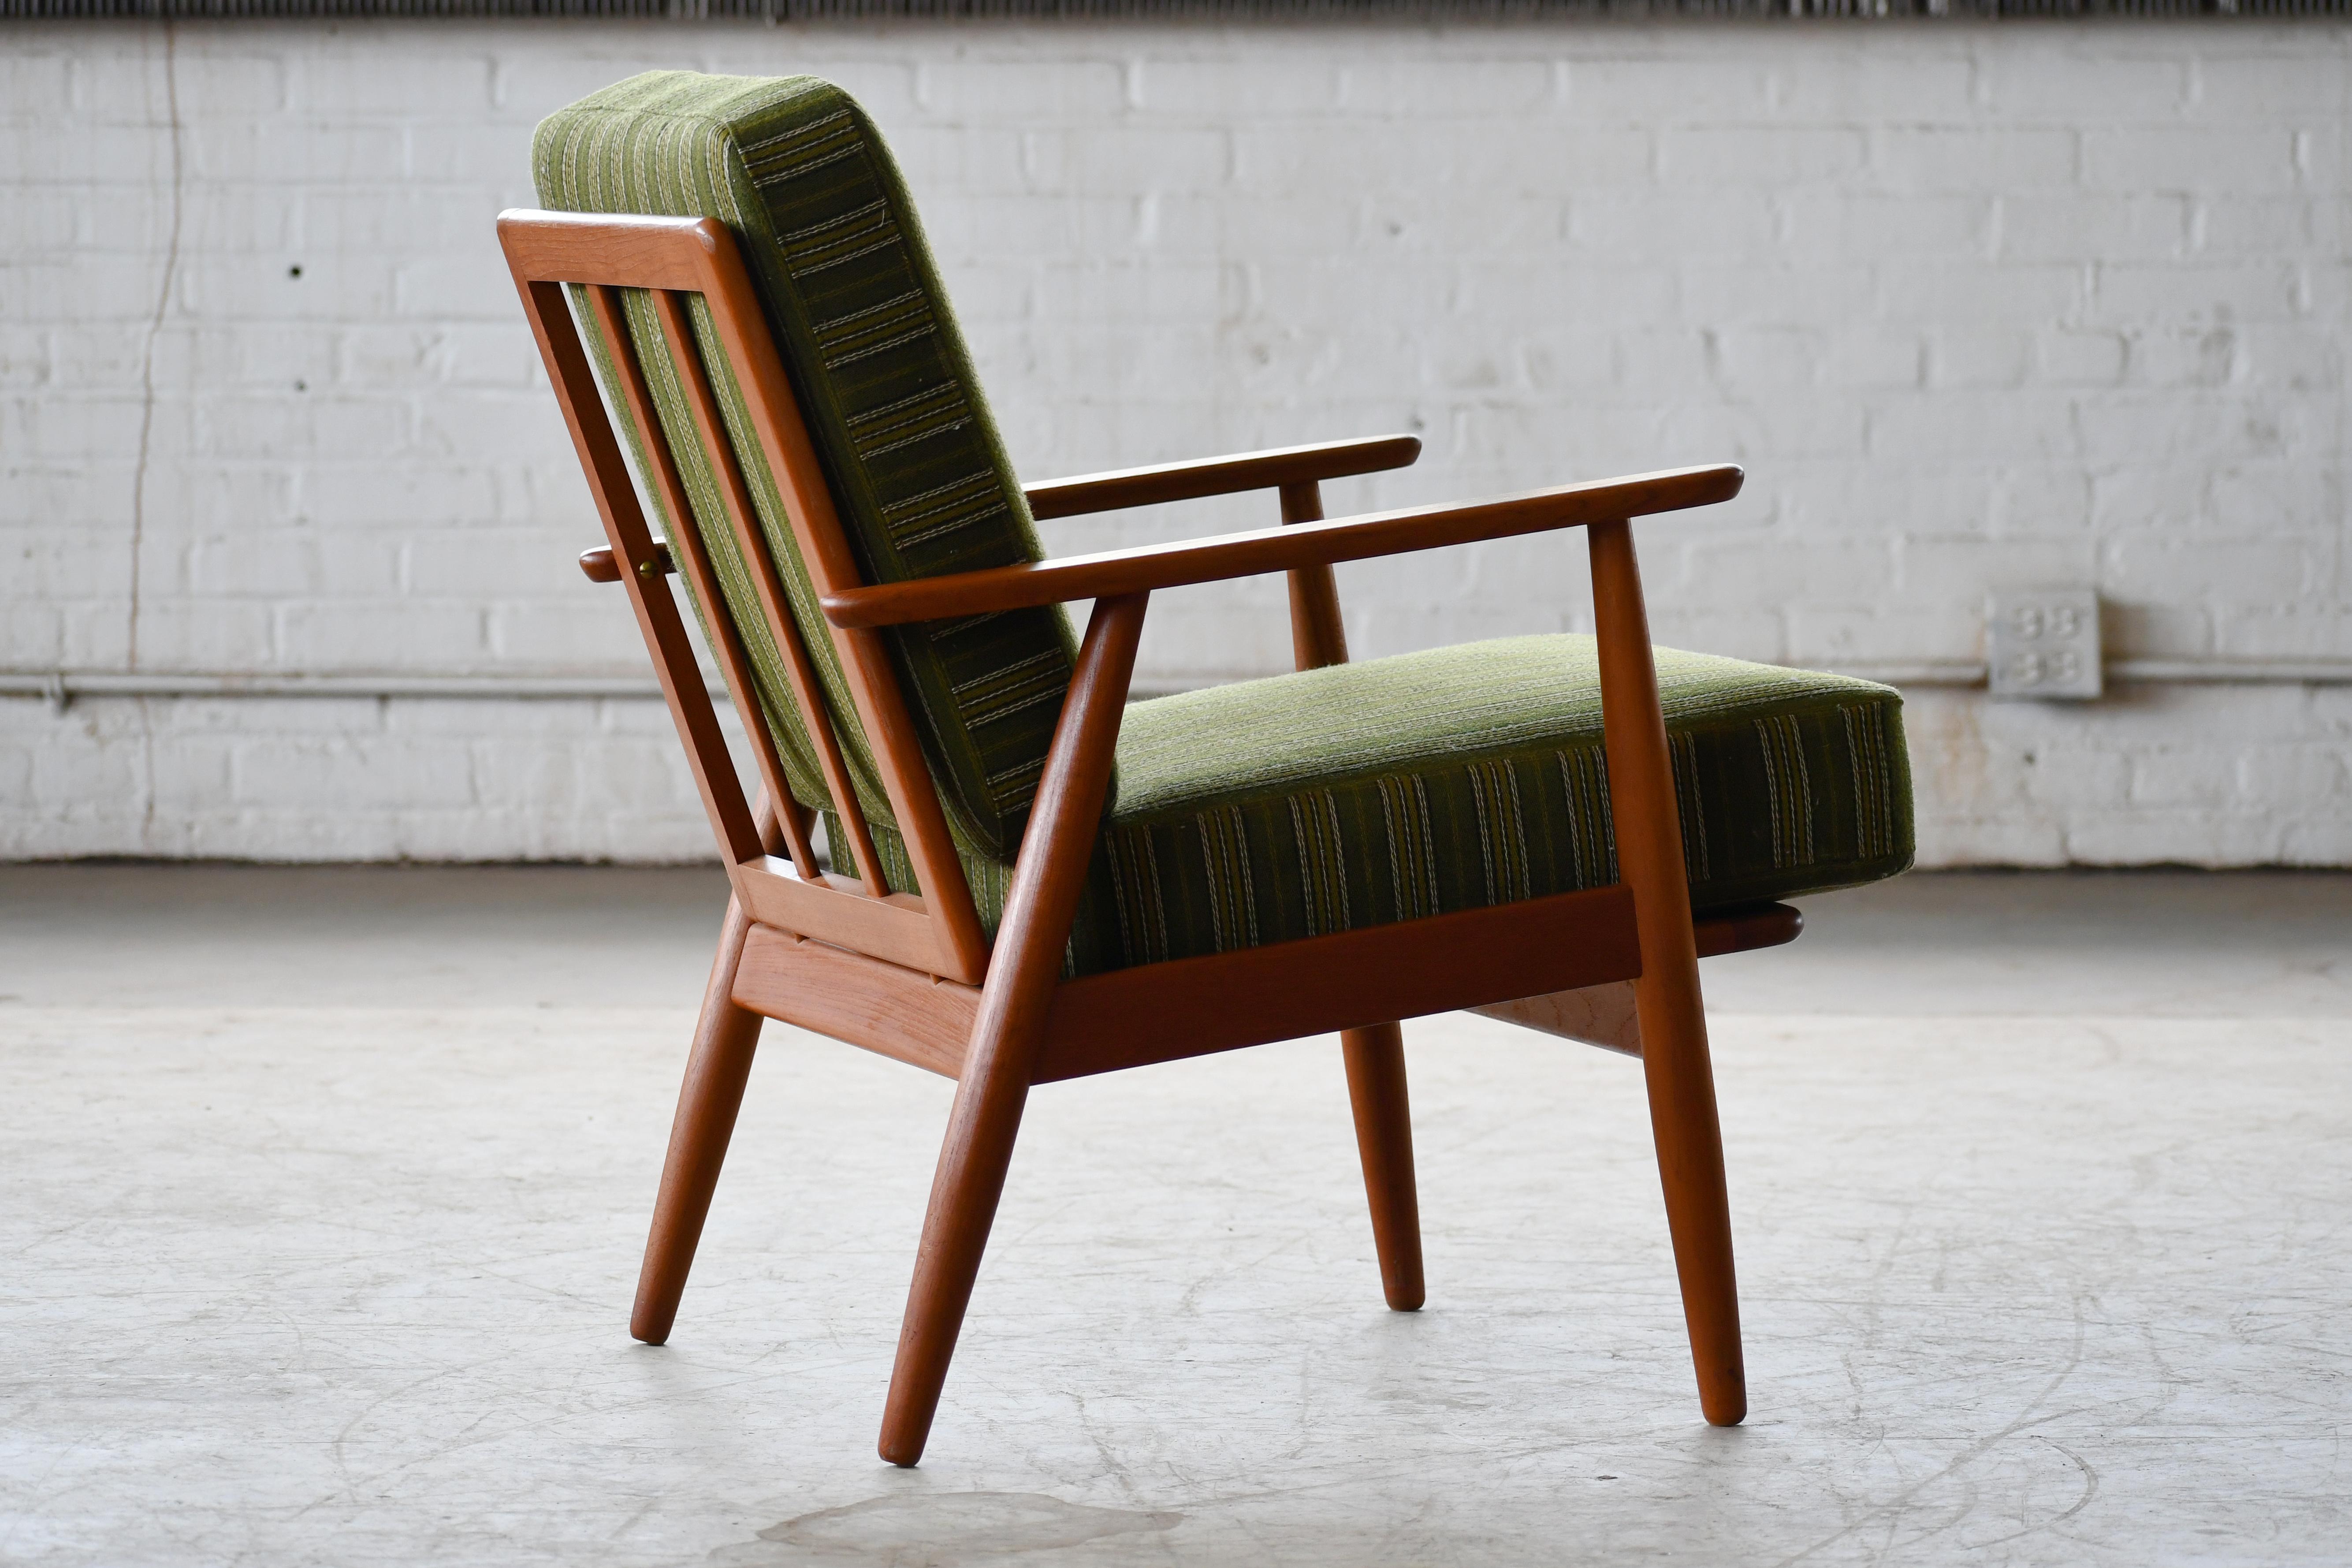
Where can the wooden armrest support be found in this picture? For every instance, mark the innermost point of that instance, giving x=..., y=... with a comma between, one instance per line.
x=1284, y=549
x=1220, y=476
x=599, y=566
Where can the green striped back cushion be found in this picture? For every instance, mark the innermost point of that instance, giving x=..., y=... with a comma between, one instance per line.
x=796, y=170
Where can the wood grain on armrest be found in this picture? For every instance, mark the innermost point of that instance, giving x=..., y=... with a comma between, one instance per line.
x=1220, y=476
x=1284, y=549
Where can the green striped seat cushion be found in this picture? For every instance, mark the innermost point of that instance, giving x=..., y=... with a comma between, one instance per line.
x=1466, y=777
x=795, y=169
x=1470, y=776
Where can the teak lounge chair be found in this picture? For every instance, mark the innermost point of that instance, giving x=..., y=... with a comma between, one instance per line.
x=1031, y=880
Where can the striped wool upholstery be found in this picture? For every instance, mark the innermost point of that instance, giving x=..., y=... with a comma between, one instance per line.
x=798, y=173
x=1466, y=777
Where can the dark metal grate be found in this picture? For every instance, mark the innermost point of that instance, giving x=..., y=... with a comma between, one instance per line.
x=1176, y=10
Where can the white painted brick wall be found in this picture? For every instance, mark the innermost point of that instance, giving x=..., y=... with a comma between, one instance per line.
x=1977, y=306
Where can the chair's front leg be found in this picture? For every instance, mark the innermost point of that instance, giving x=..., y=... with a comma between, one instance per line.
x=1673, y=1018
x=1001, y=1059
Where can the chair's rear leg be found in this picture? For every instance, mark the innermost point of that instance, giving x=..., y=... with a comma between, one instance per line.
x=1682, y=1122
x=715, y=1074
x=1375, y=1055
x=1376, y=1087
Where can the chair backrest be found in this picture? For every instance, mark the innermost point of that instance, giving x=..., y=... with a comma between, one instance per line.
x=917, y=476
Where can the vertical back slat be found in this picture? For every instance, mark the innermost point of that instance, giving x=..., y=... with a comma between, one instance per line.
x=792, y=460
x=736, y=496
x=938, y=932
x=687, y=550
x=632, y=541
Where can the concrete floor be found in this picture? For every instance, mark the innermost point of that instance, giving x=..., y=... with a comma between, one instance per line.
x=321, y=1192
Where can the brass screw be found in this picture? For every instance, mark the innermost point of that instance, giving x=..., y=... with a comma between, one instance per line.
x=649, y=568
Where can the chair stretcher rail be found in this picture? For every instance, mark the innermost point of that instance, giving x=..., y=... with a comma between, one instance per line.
x=1126, y=1018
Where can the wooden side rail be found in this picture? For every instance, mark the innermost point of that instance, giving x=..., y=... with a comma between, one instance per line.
x=1129, y=1017
x=1286, y=548
x=1265, y=471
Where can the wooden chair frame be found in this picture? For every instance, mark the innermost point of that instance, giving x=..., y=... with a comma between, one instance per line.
x=915, y=977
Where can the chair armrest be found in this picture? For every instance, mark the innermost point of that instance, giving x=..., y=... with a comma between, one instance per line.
x=1150, y=567
x=1220, y=476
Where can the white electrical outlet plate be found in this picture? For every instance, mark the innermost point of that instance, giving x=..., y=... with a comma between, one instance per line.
x=2043, y=643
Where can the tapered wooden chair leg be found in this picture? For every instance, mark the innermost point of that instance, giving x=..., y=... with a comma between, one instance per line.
x=716, y=1072
x=1682, y=1122
x=1667, y=999
x=1376, y=1087
x=964, y=1194
x=1011, y=1027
